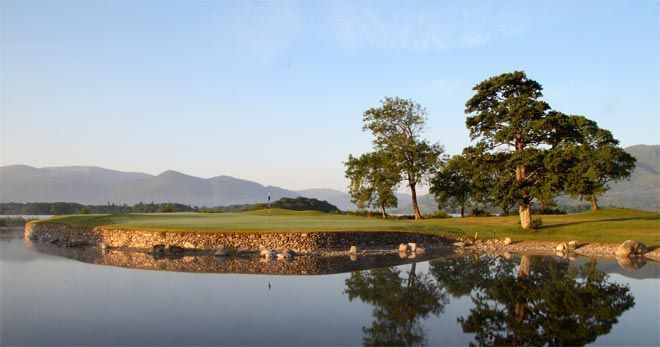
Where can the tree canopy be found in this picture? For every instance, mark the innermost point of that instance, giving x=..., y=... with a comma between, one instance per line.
x=397, y=126
x=374, y=178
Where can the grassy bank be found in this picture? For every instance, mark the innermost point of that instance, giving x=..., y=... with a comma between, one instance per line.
x=607, y=226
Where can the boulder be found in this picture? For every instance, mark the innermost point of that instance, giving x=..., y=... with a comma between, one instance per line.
x=561, y=248
x=573, y=244
x=353, y=250
x=104, y=246
x=403, y=248
x=412, y=246
x=266, y=253
x=419, y=250
x=188, y=245
x=507, y=241
x=631, y=248
x=459, y=244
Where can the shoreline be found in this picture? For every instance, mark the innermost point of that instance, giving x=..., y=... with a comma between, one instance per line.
x=326, y=243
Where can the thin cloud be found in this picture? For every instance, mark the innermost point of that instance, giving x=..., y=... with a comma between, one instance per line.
x=418, y=28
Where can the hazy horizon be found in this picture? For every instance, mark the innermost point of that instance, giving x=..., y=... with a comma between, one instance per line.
x=274, y=92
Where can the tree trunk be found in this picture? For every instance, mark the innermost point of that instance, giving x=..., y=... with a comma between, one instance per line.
x=382, y=211
x=524, y=208
x=462, y=211
x=542, y=206
x=413, y=192
x=523, y=271
x=594, y=203
x=525, y=215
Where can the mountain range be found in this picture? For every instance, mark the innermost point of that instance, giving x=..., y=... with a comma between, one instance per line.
x=95, y=185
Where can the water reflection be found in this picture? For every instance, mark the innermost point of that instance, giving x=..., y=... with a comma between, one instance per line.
x=539, y=301
x=455, y=300
x=400, y=303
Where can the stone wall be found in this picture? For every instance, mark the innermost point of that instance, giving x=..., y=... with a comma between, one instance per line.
x=66, y=234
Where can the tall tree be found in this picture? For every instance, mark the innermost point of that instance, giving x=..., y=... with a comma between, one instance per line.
x=397, y=126
x=374, y=178
x=453, y=186
x=508, y=118
x=597, y=160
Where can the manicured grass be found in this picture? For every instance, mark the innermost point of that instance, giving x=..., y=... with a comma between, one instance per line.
x=607, y=226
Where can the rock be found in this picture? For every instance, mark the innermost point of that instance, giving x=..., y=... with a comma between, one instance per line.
x=631, y=248
x=573, y=244
x=419, y=250
x=285, y=254
x=266, y=253
x=403, y=248
x=413, y=246
x=459, y=244
x=262, y=248
x=561, y=248
x=628, y=263
x=188, y=245
x=104, y=246
x=352, y=257
x=507, y=241
x=221, y=251
x=403, y=255
x=352, y=250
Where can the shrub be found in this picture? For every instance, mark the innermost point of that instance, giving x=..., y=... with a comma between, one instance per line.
x=537, y=223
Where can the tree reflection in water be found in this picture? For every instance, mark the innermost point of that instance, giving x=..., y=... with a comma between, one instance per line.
x=400, y=304
x=539, y=301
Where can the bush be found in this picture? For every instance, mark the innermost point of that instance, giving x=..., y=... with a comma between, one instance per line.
x=537, y=223
x=437, y=215
x=477, y=212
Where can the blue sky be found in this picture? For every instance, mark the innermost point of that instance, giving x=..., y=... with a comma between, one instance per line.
x=274, y=91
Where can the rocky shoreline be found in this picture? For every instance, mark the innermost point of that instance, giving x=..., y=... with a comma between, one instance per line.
x=286, y=245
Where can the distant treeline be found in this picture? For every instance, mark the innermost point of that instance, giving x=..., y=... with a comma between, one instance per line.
x=296, y=204
x=58, y=208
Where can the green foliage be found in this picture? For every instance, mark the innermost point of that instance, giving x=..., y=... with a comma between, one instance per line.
x=304, y=204
x=452, y=186
x=595, y=159
x=397, y=126
x=537, y=223
x=540, y=302
x=400, y=304
x=374, y=178
x=84, y=210
x=60, y=208
x=167, y=208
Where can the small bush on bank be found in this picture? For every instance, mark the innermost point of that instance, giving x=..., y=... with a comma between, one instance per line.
x=537, y=223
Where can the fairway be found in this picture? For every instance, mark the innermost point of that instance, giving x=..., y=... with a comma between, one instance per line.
x=607, y=226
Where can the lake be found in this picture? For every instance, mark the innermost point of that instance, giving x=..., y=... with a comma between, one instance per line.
x=51, y=299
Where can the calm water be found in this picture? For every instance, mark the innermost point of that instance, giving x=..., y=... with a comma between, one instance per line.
x=54, y=300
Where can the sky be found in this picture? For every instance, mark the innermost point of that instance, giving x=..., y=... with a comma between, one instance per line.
x=274, y=91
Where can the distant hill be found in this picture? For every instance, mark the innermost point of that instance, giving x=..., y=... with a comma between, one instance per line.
x=94, y=186
x=642, y=191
